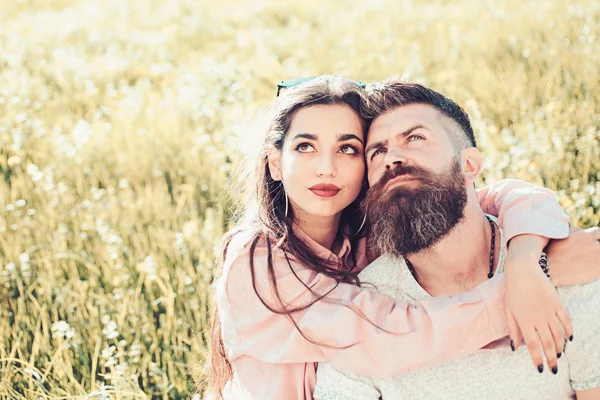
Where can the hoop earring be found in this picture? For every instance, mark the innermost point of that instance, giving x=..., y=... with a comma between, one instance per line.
x=286, y=201
x=361, y=225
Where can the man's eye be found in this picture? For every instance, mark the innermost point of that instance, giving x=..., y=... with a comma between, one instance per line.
x=304, y=148
x=347, y=149
x=412, y=138
x=377, y=152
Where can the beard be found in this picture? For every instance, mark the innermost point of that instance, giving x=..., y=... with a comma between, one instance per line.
x=408, y=219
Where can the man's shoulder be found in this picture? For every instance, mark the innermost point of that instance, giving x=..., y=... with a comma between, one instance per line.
x=381, y=267
x=583, y=304
x=382, y=273
x=581, y=297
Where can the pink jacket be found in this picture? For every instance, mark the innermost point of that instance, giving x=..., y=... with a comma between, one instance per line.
x=273, y=360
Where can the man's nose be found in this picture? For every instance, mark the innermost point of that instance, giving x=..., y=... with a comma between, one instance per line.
x=393, y=158
x=326, y=166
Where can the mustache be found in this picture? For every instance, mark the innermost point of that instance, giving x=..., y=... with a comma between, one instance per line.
x=399, y=170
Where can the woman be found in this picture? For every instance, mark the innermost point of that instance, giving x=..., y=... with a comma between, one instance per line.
x=288, y=296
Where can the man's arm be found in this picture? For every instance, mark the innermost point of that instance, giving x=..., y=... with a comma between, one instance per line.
x=333, y=384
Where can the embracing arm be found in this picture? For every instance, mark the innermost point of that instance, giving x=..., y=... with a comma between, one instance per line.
x=530, y=216
x=353, y=328
x=523, y=208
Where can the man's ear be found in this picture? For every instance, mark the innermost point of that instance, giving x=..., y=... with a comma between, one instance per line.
x=472, y=163
x=274, y=157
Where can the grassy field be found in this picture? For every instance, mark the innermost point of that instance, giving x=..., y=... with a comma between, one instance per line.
x=119, y=121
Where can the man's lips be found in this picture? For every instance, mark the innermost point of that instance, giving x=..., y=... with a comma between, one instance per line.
x=325, y=190
x=398, y=181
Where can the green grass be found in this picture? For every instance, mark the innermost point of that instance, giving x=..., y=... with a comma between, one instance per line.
x=119, y=121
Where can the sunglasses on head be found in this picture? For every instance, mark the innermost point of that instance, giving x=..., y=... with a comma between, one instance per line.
x=295, y=82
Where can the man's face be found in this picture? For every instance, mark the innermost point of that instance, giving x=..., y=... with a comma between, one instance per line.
x=416, y=134
x=417, y=192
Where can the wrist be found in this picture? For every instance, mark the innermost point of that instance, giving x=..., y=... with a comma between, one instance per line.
x=524, y=262
x=524, y=253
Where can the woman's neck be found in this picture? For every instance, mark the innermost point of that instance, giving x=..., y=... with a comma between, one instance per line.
x=322, y=230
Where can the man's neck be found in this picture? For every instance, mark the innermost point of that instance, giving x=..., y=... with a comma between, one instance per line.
x=461, y=260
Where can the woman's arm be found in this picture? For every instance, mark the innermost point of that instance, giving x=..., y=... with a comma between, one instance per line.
x=523, y=208
x=349, y=328
x=530, y=216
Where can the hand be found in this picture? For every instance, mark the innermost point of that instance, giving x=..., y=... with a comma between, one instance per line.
x=576, y=259
x=535, y=312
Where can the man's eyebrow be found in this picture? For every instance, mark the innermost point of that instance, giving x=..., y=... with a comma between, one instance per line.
x=308, y=136
x=348, y=136
x=374, y=146
x=405, y=133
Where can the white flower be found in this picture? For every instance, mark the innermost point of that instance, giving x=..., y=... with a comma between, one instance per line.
x=150, y=267
x=107, y=352
x=82, y=132
x=110, y=331
x=34, y=172
x=135, y=350
x=102, y=393
x=24, y=258
x=61, y=329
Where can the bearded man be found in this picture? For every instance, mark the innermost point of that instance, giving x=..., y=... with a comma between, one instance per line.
x=435, y=239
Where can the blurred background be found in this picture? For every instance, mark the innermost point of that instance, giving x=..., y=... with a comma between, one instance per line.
x=120, y=121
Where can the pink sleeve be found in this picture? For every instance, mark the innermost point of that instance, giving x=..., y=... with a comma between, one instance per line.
x=523, y=208
x=338, y=329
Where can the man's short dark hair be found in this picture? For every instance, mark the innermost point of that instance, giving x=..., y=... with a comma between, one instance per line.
x=387, y=95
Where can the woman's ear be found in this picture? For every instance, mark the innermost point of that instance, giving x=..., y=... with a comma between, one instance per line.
x=274, y=158
x=472, y=163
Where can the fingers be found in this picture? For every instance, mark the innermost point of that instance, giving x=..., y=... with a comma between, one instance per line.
x=565, y=320
x=513, y=331
x=518, y=339
x=559, y=339
x=533, y=345
x=549, y=346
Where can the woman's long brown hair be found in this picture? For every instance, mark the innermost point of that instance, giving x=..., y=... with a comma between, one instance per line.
x=267, y=219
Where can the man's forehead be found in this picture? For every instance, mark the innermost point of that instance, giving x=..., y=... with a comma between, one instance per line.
x=400, y=118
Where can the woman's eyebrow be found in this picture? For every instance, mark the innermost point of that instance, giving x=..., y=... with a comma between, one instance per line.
x=348, y=136
x=308, y=136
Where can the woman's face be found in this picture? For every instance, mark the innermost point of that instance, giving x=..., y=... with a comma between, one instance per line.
x=322, y=162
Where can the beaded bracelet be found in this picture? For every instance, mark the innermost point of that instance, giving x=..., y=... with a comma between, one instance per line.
x=544, y=264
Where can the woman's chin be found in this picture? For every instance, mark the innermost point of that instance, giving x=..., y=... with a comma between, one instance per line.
x=320, y=212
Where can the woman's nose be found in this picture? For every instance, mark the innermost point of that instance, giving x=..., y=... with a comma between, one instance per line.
x=326, y=166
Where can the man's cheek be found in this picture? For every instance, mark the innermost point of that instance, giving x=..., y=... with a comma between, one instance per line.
x=372, y=176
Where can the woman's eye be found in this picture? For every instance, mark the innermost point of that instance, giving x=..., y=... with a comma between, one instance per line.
x=304, y=148
x=347, y=149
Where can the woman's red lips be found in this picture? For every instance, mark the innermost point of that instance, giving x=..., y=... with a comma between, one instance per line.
x=325, y=190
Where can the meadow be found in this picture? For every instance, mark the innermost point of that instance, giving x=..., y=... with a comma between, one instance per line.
x=121, y=121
